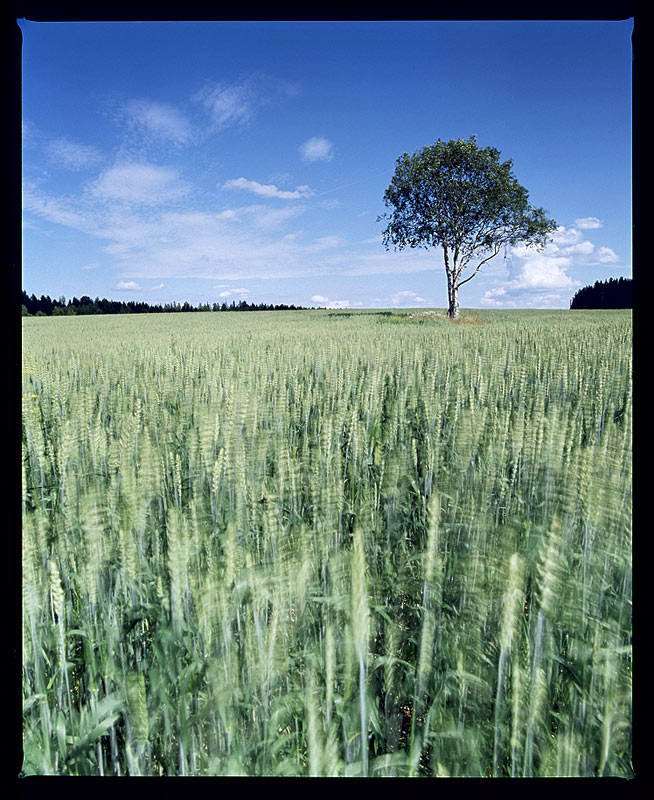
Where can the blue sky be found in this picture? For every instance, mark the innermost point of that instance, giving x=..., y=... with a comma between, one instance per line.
x=226, y=161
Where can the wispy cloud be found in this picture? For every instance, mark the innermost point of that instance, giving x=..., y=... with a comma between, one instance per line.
x=72, y=155
x=193, y=244
x=60, y=211
x=368, y=262
x=227, y=104
x=158, y=121
x=323, y=243
x=267, y=190
x=317, y=149
x=140, y=184
x=238, y=103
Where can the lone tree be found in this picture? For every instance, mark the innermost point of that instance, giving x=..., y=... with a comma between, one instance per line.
x=460, y=197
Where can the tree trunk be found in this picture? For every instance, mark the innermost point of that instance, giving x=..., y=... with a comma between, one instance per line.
x=453, y=300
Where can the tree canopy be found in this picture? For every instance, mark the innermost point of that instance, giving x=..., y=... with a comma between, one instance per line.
x=462, y=198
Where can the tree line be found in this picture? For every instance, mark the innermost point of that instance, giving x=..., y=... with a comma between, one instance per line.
x=45, y=306
x=613, y=293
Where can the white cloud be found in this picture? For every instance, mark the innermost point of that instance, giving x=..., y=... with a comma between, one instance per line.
x=548, y=300
x=491, y=296
x=563, y=236
x=524, y=300
x=141, y=184
x=584, y=248
x=229, y=292
x=127, y=286
x=569, y=243
x=544, y=273
x=158, y=286
x=407, y=294
x=589, y=223
x=318, y=298
x=317, y=149
x=607, y=256
x=267, y=190
x=158, y=120
x=565, y=241
x=541, y=279
x=73, y=156
x=338, y=304
x=492, y=302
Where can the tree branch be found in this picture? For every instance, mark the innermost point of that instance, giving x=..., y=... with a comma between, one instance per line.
x=479, y=266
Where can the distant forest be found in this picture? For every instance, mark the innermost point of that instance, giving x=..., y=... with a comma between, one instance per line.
x=614, y=293
x=44, y=306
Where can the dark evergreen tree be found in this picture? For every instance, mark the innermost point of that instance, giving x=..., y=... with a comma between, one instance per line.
x=46, y=306
x=613, y=293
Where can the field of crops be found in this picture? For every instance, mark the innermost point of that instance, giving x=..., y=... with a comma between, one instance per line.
x=322, y=543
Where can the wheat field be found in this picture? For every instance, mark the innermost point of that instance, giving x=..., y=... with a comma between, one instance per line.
x=327, y=544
